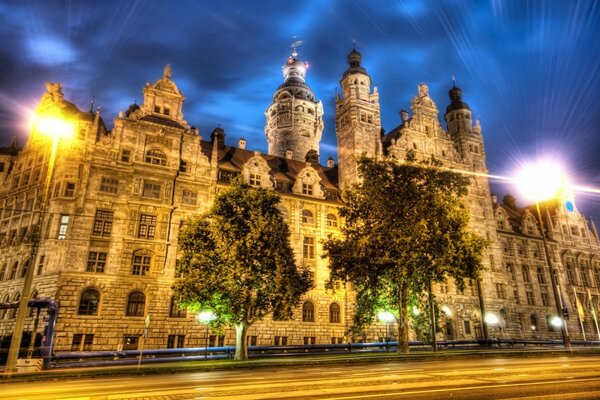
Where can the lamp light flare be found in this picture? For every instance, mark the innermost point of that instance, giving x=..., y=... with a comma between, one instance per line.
x=206, y=316
x=446, y=310
x=416, y=311
x=385, y=316
x=556, y=322
x=53, y=127
x=491, y=319
x=541, y=181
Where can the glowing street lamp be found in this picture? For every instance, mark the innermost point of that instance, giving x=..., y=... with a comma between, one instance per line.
x=56, y=128
x=388, y=318
x=205, y=318
x=556, y=322
x=540, y=182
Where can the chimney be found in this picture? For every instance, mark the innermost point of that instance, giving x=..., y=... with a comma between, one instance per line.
x=289, y=154
x=242, y=143
x=218, y=137
x=404, y=115
x=494, y=198
x=330, y=162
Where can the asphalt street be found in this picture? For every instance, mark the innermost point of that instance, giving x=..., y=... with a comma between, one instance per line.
x=561, y=377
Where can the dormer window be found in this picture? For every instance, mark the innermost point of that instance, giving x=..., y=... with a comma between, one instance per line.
x=307, y=189
x=156, y=157
x=255, y=179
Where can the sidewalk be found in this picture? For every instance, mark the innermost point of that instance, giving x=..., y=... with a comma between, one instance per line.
x=308, y=360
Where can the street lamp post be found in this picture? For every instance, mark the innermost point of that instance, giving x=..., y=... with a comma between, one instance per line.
x=205, y=318
x=386, y=317
x=543, y=182
x=56, y=128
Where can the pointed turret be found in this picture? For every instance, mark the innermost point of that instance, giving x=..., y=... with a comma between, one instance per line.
x=358, y=123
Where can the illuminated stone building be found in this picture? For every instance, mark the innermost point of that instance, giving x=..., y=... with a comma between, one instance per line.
x=119, y=196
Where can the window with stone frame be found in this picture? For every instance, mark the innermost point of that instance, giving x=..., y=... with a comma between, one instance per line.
x=175, y=311
x=141, y=265
x=585, y=278
x=334, y=313
x=280, y=341
x=307, y=217
x=147, y=226
x=109, y=184
x=255, y=179
x=510, y=268
x=13, y=270
x=309, y=248
x=307, y=189
x=69, y=189
x=151, y=190
x=182, y=166
x=175, y=341
x=82, y=342
x=156, y=157
x=331, y=221
x=3, y=271
x=63, y=224
x=96, y=261
x=131, y=342
x=597, y=276
x=88, y=302
x=545, y=299
x=541, y=277
x=310, y=340
x=500, y=291
x=125, y=155
x=102, y=223
x=570, y=272
x=24, y=268
x=136, y=304
x=40, y=266
x=530, y=298
x=308, y=312
x=189, y=198
x=526, y=277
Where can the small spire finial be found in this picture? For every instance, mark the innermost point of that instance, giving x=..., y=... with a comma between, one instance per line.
x=353, y=44
x=294, y=46
x=453, y=81
x=92, y=102
x=167, y=71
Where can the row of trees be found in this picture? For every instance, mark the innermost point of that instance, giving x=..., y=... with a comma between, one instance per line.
x=406, y=227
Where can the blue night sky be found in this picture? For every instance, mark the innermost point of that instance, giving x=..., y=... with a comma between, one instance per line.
x=530, y=70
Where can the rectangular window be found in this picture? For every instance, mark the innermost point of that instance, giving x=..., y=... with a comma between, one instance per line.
x=212, y=341
x=500, y=291
x=307, y=189
x=585, y=277
x=516, y=296
x=88, y=342
x=70, y=189
x=82, y=342
x=62, y=227
x=255, y=179
x=76, y=343
x=310, y=340
x=280, y=341
x=102, y=223
x=141, y=265
x=147, y=228
x=309, y=248
x=96, y=261
x=130, y=342
x=511, y=270
x=251, y=340
x=189, y=198
x=467, y=325
x=182, y=166
x=125, y=155
x=109, y=185
x=175, y=341
x=526, y=274
x=545, y=301
x=540, y=275
x=337, y=340
x=151, y=190
x=40, y=268
x=530, y=299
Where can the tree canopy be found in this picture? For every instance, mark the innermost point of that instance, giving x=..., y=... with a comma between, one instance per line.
x=405, y=226
x=237, y=261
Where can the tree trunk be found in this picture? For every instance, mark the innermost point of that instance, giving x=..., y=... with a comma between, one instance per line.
x=403, y=320
x=432, y=319
x=241, y=344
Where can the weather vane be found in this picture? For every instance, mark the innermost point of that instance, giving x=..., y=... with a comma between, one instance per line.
x=294, y=46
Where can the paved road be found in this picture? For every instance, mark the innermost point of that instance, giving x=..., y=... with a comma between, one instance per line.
x=546, y=378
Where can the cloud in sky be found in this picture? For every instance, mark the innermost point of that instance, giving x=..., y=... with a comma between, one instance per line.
x=528, y=70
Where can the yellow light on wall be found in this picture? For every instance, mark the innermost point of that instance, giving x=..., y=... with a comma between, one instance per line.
x=54, y=127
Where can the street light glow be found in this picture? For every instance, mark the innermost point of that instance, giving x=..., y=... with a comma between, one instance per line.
x=541, y=181
x=491, y=319
x=447, y=311
x=416, y=311
x=206, y=316
x=385, y=316
x=53, y=126
x=556, y=322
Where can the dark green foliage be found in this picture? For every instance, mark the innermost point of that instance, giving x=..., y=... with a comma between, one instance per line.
x=236, y=260
x=406, y=225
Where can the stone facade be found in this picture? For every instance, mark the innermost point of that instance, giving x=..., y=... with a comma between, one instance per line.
x=118, y=198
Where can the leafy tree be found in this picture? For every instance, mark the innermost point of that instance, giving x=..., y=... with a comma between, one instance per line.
x=405, y=226
x=236, y=260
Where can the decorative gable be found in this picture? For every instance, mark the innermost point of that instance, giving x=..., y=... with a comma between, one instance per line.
x=256, y=172
x=308, y=183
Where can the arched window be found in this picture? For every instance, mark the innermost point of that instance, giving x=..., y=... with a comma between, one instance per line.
x=534, y=322
x=334, y=313
x=332, y=220
x=175, y=311
x=3, y=272
x=24, y=269
x=4, y=313
x=88, y=302
x=13, y=271
x=33, y=296
x=156, y=157
x=307, y=217
x=136, y=303
x=13, y=311
x=308, y=312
